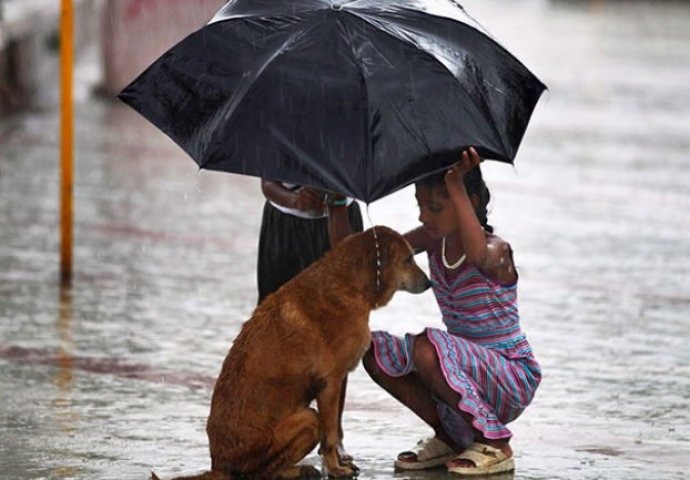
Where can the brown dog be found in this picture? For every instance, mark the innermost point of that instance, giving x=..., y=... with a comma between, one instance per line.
x=298, y=346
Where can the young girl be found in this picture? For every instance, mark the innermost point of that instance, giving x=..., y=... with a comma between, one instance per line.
x=469, y=381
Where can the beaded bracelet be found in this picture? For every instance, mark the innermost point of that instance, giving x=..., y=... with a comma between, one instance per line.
x=331, y=202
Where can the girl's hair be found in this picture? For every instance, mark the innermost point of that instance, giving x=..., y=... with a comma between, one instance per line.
x=474, y=184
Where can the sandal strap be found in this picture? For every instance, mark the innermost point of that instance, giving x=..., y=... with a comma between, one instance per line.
x=482, y=455
x=429, y=448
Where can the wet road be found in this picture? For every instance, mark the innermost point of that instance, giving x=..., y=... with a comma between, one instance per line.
x=112, y=378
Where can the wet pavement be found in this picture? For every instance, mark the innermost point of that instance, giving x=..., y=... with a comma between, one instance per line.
x=112, y=377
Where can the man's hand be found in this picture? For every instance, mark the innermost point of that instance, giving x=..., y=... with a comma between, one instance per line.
x=308, y=199
x=334, y=200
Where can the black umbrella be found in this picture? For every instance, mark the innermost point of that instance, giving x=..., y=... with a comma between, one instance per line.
x=357, y=97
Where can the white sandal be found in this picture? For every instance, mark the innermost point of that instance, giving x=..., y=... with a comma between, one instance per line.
x=487, y=460
x=430, y=452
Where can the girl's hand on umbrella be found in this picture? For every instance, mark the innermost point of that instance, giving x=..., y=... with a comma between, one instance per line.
x=308, y=199
x=470, y=159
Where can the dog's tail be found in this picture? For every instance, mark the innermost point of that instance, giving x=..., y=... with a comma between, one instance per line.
x=212, y=475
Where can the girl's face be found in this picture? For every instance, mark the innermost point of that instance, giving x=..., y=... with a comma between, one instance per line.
x=436, y=211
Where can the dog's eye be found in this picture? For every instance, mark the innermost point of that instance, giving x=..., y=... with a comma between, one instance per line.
x=408, y=260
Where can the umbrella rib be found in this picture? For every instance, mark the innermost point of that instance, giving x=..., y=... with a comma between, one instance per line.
x=369, y=147
x=489, y=121
x=229, y=107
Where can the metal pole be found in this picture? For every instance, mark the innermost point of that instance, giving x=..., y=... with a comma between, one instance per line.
x=66, y=140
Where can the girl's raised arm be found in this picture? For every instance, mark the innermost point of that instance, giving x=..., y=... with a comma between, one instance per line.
x=471, y=232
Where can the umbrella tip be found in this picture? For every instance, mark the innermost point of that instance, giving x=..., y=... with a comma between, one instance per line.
x=337, y=7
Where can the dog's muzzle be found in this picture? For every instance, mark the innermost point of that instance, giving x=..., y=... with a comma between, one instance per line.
x=421, y=284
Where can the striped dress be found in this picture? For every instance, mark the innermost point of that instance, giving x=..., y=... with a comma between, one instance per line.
x=484, y=354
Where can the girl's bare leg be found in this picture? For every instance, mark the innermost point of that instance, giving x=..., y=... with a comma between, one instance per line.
x=412, y=393
x=429, y=369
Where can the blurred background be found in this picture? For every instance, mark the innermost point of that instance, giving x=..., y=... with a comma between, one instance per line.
x=111, y=377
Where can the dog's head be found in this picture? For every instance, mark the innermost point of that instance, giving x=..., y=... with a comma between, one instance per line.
x=391, y=264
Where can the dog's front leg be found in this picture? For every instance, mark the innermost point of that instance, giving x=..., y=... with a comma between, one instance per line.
x=328, y=403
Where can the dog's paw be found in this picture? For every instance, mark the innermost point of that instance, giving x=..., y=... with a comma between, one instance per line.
x=350, y=464
x=342, y=472
x=299, y=472
x=346, y=460
x=309, y=471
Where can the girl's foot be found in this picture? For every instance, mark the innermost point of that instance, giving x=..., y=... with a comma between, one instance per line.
x=484, y=458
x=428, y=453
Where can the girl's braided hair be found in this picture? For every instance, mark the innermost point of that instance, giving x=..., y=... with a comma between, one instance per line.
x=474, y=184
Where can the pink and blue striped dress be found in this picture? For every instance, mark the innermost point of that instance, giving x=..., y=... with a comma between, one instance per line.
x=484, y=354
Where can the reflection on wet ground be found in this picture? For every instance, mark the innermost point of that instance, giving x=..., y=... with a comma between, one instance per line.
x=67, y=364
x=112, y=377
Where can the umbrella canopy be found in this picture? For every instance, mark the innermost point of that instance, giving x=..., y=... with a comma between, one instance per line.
x=359, y=97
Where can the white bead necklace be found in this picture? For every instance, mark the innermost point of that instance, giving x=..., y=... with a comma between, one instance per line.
x=445, y=261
